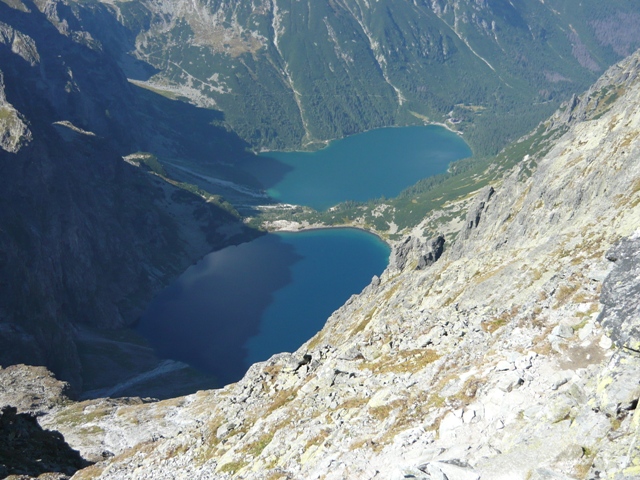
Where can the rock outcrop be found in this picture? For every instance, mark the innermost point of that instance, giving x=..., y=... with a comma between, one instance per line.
x=28, y=451
x=416, y=252
x=621, y=295
x=32, y=390
x=14, y=132
x=492, y=363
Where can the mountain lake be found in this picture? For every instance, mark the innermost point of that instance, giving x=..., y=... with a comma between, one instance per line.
x=244, y=303
x=376, y=163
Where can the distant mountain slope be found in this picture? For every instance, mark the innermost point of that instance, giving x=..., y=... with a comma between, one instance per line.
x=290, y=74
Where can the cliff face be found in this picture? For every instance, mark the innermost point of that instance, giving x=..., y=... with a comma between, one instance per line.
x=493, y=362
x=86, y=238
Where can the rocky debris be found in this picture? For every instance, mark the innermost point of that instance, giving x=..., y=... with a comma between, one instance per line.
x=562, y=331
x=620, y=316
x=20, y=44
x=448, y=470
x=28, y=450
x=30, y=389
x=617, y=396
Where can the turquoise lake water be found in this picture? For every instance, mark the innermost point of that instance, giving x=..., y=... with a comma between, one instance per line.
x=245, y=303
x=377, y=163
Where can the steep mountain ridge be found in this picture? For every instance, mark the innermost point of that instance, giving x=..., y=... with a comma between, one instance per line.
x=86, y=238
x=494, y=362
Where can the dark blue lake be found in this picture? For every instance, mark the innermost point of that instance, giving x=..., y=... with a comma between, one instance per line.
x=244, y=303
x=361, y=167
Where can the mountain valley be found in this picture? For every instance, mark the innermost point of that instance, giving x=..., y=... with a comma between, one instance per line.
x=502, y=340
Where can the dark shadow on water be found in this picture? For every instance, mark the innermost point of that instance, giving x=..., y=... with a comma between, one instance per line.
x=206, y=317
x=124, y=118
x=268, y=170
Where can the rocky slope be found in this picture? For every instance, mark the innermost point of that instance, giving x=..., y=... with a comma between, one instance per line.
x=86, y=239
x=513, y=356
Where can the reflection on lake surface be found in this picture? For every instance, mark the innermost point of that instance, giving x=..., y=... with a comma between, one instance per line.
x=244, y=303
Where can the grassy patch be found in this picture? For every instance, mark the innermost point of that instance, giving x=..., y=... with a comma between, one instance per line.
x=176, y=451
x=257, y=447
x=232, y=467
x=501, y=320
x=89, y=473
x=582, y=469
x=92, y=430
x=382, y=412
x=564, y=293
x=315, y=341
x=602, y=100
x=405, y=361
x=148, y=160
x=281, y=399
x=363, y=324
x=411, y=412
x=355, y=402
x=318, y=439
x=75, y=415
x=6, y=113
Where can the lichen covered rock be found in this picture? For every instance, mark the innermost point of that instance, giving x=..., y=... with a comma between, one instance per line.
x=621, y=294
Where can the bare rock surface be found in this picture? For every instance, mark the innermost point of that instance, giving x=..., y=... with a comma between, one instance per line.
x=31, y=389
x=621, y=295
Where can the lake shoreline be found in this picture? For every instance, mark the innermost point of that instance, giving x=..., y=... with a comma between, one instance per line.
x=243, y=304
x=326, y=143
x=379, y=163
x=290, y=226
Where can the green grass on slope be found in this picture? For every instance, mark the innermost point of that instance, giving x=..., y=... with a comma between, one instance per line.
x=335, y=66
x=436, y=193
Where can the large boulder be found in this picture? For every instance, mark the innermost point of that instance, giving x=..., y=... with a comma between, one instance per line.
x=620, y=316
